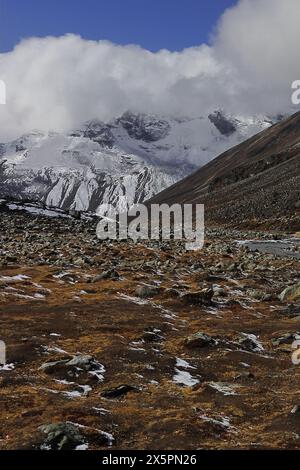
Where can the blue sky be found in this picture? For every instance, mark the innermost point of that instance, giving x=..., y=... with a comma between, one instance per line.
x=152, y=24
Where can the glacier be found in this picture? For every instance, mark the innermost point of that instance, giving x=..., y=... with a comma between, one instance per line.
x=122, y=162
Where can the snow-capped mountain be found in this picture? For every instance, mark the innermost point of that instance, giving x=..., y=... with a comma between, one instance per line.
x=127, y=160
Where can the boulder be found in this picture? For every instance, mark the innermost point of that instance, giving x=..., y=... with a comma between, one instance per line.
x=61, y=436
x=152, y=337
x=110, y=274
x=249, y=342
x=290, y=293
x=119, y=391
x=147, y=291
x=288, y=338
x=203, y=297
x=83, y=362
x=199, y=340
x=71, y=367
x=52, y=367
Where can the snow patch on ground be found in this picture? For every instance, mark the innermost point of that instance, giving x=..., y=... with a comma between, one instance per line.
x=7, y=367
x=224, y=388
x=183, y=377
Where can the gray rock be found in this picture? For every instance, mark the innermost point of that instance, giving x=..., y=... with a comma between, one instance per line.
x=295, y=410
x=199, y=340
x=232, y=267
x=52, y=367
x=290, y=293
x=172, y=292
x=259, y=295
x=220, y=292
x=291, y=311
x=79, y=261
x=203, y=297
x=83, y=362
x=71, y=366
x=61, y=436
x=245, y=375
x=75, y=214
x=249, y=342
x=119, y=391
x=152, y=337
x=147, y=291
x=285, y=339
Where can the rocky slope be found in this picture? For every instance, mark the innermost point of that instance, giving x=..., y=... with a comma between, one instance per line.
x=145, y=346
x=127, y=160
x=253, y=183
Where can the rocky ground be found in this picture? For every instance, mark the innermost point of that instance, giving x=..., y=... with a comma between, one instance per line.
x=145, y=346
x=255, y=183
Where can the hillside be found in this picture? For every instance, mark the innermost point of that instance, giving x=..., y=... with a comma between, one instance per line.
x=255, y=182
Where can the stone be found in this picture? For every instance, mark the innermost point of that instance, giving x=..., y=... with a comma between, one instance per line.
x=290, y=293
x=245, y=375
x=172, y=293
x=295, y=410
x=61, y=436
x=119, y=391
x=52, y=367
x=70, y=366
x=285, y=339
x=259, y=295
x=79, y=261
x=110, y=274
x=199, y=340
x=75, y=214
x=152, y=337
x=147, y=291
x=291, y=311
x=82, y=362
x=220, y=292
x=203, y=297
x=249, y=342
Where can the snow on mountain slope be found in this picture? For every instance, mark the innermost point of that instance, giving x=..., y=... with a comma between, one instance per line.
x=127, y=160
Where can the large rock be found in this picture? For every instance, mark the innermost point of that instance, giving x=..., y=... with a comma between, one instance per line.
x=52, y=367
x=119, y=391
x=199, y=340
x=203, y=297
x=83, y=362
x=110, y=274
x=290, y=293
x=61, y=436
x=250, y=342
x=72, y=367
x=291, y=311
x=147, y=291
x=288, y=338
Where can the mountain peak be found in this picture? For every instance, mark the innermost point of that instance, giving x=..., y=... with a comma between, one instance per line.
x=148, y=128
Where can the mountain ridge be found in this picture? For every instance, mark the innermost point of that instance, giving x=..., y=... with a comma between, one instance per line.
x=254, y=181
x=124, y=161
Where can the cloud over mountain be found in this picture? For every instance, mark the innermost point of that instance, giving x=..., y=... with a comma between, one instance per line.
x=57, y=83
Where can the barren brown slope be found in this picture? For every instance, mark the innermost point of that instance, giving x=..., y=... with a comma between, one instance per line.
x=257, y=180
x=205, y=363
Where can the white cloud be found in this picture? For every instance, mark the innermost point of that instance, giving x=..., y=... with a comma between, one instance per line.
x=57, y=83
